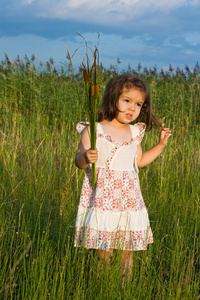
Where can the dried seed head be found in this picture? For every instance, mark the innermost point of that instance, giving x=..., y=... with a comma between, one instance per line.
x=85, y=75
x=94, y=89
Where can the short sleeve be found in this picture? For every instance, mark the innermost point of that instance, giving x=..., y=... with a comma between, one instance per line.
x=138, y=130
x=81, y=126
x=142, y=128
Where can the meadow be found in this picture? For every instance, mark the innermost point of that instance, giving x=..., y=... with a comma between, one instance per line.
x=40, y=188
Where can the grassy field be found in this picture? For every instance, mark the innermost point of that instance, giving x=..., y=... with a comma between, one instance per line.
x=40, y=188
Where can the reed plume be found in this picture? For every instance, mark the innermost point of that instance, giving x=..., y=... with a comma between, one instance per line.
x=90, y=70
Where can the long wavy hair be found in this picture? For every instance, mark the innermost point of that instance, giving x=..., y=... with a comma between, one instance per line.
x=109, y=107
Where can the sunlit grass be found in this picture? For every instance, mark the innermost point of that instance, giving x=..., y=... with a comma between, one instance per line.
x=40, y=188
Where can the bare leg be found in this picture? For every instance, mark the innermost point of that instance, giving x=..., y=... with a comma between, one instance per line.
x=105, y=255
x=127, y=264
x=104, y=261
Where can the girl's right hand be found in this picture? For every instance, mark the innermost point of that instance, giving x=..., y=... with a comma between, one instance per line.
x=84, y=154
x=91, y=156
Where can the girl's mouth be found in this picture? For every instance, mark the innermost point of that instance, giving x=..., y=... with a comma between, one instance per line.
x=129, y=116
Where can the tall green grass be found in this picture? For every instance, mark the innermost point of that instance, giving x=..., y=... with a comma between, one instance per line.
x=40, y=188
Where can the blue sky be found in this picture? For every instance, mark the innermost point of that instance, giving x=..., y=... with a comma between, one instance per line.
x=152, y=32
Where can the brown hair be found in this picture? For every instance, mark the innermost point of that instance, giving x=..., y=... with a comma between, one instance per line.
x=109, y=107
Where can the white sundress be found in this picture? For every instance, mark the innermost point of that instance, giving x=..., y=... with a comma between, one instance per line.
x=113, y=215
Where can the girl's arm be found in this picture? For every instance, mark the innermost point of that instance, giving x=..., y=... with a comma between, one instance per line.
x=84, y=154
x=145, y=158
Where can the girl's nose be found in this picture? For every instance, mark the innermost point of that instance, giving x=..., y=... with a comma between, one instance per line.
x=132, y=106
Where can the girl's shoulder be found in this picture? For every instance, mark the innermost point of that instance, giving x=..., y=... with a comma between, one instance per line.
x=139, y=126
x=138, y=130
x=80, y=126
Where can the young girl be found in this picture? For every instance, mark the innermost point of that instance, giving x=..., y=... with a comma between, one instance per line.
x=113, y=214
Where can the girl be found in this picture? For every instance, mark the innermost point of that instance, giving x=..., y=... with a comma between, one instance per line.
x=113, y=214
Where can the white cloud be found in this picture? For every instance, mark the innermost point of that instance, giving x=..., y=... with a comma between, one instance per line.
x=42, y=48
x=189, y=52
x=130, y=50
x=26, y=2
x=193, y=38
x=194, y=2
x=174, y=42
x=144, y=48
x=107, y=11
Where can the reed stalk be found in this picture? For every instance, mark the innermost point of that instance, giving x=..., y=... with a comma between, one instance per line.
x=91, y=79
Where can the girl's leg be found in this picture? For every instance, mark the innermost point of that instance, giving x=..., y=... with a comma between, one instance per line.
x=127, y=264
x=105, y=255
x=104, y=259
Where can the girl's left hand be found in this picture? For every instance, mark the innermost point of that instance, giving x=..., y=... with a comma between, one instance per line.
x=165, y=133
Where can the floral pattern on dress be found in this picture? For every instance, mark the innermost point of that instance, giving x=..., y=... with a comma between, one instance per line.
x=122, y=240
x=109, y=138
x=142, y=128
x=117, y=192
x=81, y=126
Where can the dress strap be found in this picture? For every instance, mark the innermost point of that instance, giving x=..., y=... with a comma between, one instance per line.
x=99, y=128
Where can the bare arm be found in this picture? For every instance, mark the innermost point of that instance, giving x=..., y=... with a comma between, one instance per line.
x=84, y=154
x=145, y=158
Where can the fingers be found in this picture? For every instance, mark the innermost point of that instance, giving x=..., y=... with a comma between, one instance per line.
x=165, y=133
x=166, y=136
x=161, y=127
x=91, y=156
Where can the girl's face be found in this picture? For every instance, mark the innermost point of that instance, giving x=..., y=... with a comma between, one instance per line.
x=129, y=105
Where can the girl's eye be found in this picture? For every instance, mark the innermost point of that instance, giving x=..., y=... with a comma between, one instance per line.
x=126, y=100
x=138, y=104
